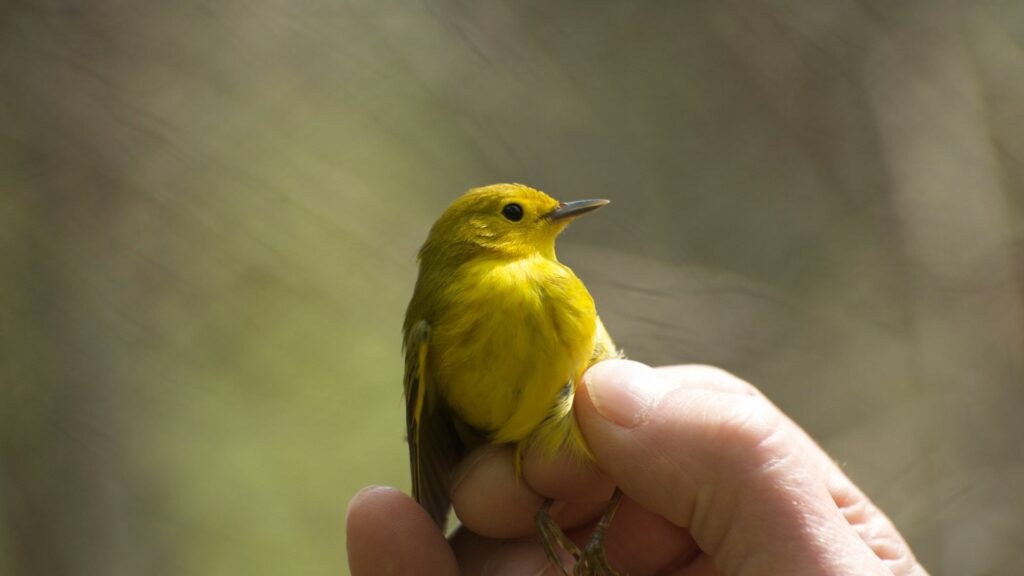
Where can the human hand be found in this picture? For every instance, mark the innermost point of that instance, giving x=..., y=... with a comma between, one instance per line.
x=717, y=481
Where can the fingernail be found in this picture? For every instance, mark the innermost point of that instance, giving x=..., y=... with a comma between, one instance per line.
x=624, y=392
x=363, y=493
x=369, y=489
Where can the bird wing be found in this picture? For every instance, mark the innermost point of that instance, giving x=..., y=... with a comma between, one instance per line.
x=434, y=444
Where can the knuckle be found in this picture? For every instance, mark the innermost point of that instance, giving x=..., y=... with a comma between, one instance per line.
x=751, y=430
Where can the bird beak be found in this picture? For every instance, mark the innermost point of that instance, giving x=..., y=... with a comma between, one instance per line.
x=573, y=209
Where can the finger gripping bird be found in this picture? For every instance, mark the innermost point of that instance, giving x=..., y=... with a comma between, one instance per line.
x=497, y=336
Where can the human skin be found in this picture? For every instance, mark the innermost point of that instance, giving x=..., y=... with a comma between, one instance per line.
x=717, y=481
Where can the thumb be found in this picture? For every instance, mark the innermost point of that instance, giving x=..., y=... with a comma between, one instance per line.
x=702, y=449
x=656, y=436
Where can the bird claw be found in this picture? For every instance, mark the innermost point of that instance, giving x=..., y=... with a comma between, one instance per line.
x=591, y=561
x=551, y=536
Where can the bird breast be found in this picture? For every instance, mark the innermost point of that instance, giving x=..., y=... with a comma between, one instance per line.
x=511, y=336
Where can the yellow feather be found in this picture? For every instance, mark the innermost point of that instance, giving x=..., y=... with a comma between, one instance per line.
x=511, y=329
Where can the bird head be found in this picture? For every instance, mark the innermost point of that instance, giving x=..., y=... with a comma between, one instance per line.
x=504, y=220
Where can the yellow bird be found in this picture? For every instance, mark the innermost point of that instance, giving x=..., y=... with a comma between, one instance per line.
x=497, y=336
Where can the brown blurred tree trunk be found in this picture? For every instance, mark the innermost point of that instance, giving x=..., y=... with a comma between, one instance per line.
x=907, y=71
x=66, y=499
x=948, y=190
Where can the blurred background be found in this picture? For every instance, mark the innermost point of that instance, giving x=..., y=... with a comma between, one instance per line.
x=209, y=215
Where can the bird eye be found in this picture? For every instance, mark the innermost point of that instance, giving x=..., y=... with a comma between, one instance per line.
x=513, y=212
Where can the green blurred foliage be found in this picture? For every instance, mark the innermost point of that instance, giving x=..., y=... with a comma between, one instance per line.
x=209, y=214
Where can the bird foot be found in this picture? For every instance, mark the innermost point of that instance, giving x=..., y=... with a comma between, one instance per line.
x=591, y=560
